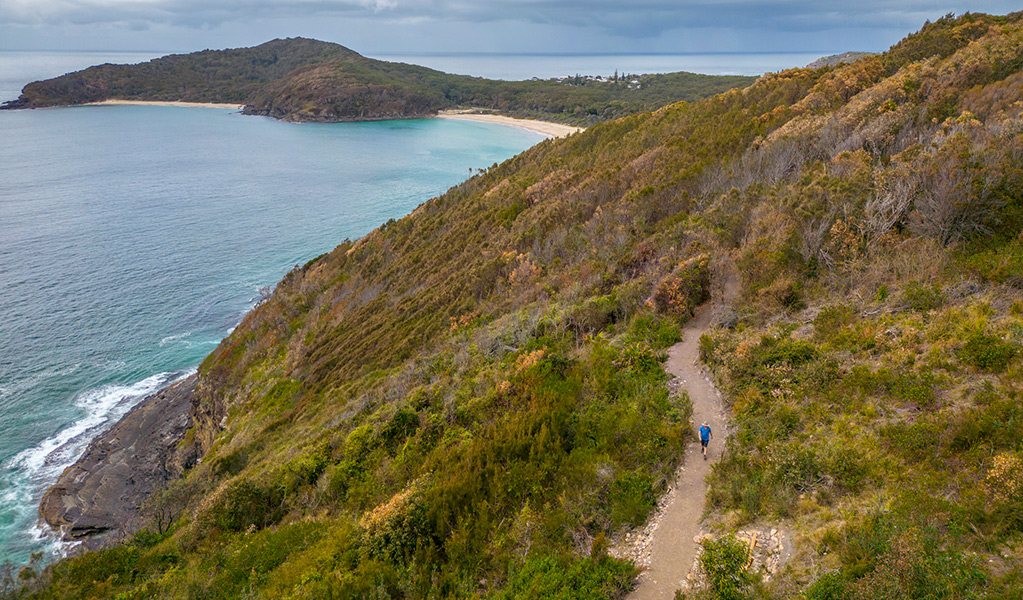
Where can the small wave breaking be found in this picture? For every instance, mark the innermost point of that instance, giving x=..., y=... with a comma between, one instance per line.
x=25, y=477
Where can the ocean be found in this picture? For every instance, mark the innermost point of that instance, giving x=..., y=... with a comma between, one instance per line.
x=134, y=238
x=546, y=66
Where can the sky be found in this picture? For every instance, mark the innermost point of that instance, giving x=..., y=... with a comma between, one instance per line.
x=477, y=26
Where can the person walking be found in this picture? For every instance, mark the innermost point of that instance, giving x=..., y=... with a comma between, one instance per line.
x=705, y=435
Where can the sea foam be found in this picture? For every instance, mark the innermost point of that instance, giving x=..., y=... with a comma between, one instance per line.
x=32, y=471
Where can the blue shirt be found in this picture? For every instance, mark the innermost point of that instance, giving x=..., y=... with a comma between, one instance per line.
x=704, y=432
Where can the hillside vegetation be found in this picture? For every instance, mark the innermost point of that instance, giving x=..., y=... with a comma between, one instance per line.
x=307, y=80
x=468, y=402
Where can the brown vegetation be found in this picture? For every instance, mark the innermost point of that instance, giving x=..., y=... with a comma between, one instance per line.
x=463, y=402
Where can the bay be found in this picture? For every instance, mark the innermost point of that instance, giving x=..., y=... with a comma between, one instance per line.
x=134, y=238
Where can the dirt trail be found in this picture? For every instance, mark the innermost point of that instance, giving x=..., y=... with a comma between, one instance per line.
x=673, y=550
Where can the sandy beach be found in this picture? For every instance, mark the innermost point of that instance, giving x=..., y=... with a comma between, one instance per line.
x=555, y=130
x=158, y=103
x=547, y=128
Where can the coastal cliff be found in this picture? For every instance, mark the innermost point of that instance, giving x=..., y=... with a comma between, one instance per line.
x=470, y=401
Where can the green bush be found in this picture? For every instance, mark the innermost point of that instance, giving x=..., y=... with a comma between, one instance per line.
x=724, y=560
x=641, y=358
x=923, y=298
x=917, y=440
x=864, y=541
x=303, y=470
x=592, y=315
x=799, y=467
x=832, y=319
x=552, y=578
x=242, y=504
x=655, y=329
x=632, y=498
x=916, y=565
x=774, y=351
x=118, y=565
x=987, y=352
x=707, y=347
x=830, y=586
x=402, y=425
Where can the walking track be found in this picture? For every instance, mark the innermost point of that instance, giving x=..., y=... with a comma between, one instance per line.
x=673, y=549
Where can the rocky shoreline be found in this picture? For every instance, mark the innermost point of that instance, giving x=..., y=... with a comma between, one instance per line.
x=98, y=500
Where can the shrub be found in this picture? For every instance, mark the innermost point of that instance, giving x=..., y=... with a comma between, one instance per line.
x=864, y=541
x=552, y=578
x=707, y=347
x=240, y=504
x=799, y=467
x=917, y=566
x=687, y=287
x=774, y=351
x=402, y=425
x=395, y=528
x=593, y=315
x=829, y=586
x=632, y=497
x=724, y=560
x=987, y=352
x=639, y=357
x=117, y=565
x=303, y=470
x=654, y=329
x=921, y=297
x=783, y=292
x=832, y=319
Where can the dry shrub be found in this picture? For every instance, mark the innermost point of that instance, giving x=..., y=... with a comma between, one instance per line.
x=1004, y=480
x=782, y=293
x=687, y=287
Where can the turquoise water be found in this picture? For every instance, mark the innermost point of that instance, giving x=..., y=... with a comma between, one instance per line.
x=133, y=238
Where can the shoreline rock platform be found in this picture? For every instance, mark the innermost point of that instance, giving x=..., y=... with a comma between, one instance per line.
x=97, y=500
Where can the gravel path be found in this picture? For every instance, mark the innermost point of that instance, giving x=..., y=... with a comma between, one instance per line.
x=670, y=548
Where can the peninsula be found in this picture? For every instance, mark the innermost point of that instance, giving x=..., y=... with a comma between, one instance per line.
x=301, y=79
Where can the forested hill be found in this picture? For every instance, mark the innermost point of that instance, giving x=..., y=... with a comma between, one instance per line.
x=308, y=80
x=469, y=401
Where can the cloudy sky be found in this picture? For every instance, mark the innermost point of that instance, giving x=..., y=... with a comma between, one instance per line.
x=502, y=26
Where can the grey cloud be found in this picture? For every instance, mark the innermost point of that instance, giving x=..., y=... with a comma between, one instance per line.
x=612, y=14
x=629, y=20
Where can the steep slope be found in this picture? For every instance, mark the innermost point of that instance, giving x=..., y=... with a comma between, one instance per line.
x=307, y=80
x=469, y=401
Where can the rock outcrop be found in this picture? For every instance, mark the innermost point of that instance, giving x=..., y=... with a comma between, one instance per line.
x=837, y=59
x=97, y=500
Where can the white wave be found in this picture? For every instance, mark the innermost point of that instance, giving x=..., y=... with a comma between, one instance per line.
x=33, y=470
x=99, y=404
x=44, y=535
x=174, y=338
x=102, y=406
